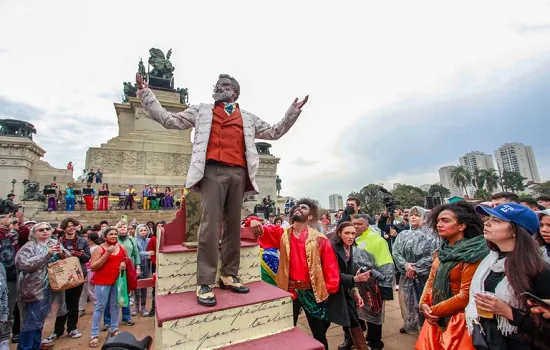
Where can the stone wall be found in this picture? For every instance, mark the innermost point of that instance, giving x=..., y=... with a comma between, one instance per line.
x=17, y=156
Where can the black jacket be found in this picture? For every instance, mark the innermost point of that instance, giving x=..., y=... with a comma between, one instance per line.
x=339, y=302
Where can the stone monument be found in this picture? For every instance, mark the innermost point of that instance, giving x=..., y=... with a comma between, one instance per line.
x=144, y=152
x=21, y=169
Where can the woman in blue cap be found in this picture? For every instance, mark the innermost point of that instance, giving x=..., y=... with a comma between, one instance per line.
x=513, y=266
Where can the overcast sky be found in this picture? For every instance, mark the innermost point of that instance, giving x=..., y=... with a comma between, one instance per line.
x=397, y=88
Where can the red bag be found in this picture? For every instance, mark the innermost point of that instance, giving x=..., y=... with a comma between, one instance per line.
x=131, y=276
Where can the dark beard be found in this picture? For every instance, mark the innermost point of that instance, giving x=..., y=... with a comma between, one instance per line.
x=298, y=218
x=223, y=96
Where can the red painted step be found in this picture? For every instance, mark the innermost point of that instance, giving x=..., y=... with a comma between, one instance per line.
x=181, y=305
x=295, y=339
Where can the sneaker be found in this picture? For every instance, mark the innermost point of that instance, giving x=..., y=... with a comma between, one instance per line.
x=128, y=323
x=53, y=337
x=134, y=313
x=15, y=339
x=106, y=328
x=75, y=334
x=145, y=313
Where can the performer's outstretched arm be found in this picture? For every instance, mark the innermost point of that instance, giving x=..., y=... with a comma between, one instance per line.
x=182, y=120
x=267, y=132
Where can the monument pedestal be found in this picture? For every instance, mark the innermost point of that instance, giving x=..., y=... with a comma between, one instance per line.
x=144, y=152
x=17, y=157
x=261, y=319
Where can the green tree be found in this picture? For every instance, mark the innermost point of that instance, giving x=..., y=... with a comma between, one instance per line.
x=461, y=177
x=477, y=179
x=371, y=199
x=491, y=178
x=482, y=194
x=409, y=196
x=442, y=190
x=513, y=181
x=542, y=189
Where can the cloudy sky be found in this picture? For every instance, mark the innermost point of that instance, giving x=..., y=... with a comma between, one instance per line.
x=397, y=88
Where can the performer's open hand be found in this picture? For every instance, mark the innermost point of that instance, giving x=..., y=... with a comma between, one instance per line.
x=257, y=228
x=300, y=104
x=140, y=83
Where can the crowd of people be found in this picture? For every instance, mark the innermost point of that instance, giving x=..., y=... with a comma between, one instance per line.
x=450, y=265
x=26, y=298
x=152, y=197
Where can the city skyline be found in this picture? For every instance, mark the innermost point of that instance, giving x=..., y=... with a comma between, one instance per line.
x=510, y=156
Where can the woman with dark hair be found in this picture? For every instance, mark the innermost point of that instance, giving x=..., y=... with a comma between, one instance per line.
x=103, y=195
x=446, y=292
x=168, y=200
x=496, y=299
x=412, y=254
x=107, y=262
x=343, y=244
x=543, y=234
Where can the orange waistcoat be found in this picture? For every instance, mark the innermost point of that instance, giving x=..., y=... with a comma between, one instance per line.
x=226, y=142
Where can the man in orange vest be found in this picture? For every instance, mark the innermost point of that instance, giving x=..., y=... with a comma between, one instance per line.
x=223, y=168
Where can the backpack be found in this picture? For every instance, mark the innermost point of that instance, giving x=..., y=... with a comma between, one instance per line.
x=7, y=258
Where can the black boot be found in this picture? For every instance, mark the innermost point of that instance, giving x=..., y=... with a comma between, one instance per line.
x=348, y=343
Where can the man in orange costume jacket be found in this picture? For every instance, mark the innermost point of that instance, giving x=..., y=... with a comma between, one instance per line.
x=308, y=269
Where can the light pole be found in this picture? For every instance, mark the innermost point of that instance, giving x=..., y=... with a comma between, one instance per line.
x=13, y=182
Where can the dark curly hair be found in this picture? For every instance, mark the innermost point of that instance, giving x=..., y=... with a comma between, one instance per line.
x=465, y=214
x=313, y=207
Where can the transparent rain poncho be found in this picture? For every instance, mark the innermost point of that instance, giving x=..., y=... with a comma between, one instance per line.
x=36, y=300
x=414, y=246
x=381, y=276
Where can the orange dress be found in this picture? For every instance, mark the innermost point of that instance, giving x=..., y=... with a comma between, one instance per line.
x=455, y=336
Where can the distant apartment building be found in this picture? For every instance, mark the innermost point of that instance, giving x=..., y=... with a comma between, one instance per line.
x=476, y=160
x=516, y=157
x=446, y=180
x=335, y=202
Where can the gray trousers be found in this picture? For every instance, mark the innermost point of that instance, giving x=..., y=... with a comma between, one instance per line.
x=222, y=191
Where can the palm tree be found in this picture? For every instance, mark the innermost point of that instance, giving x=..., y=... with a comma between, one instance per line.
x=491, y=178
x=478, y=180
x=461, y=177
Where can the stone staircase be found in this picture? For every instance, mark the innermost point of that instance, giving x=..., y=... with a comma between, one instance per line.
x=112, y=216
x=261, y=319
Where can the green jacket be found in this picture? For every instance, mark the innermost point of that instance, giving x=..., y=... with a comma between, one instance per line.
x=131, y=249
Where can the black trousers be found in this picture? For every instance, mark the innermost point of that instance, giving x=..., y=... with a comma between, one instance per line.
x=318, y=327
x=374, y=334
x=72, y=297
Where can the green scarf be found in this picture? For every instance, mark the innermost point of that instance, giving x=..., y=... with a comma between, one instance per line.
x=466, y=250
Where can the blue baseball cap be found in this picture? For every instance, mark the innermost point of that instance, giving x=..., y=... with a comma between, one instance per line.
x=512, y=212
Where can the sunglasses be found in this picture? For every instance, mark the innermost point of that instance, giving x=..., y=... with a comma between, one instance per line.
x=44, y=229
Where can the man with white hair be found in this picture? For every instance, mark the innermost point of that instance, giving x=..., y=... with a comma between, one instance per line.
x=223, y=168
